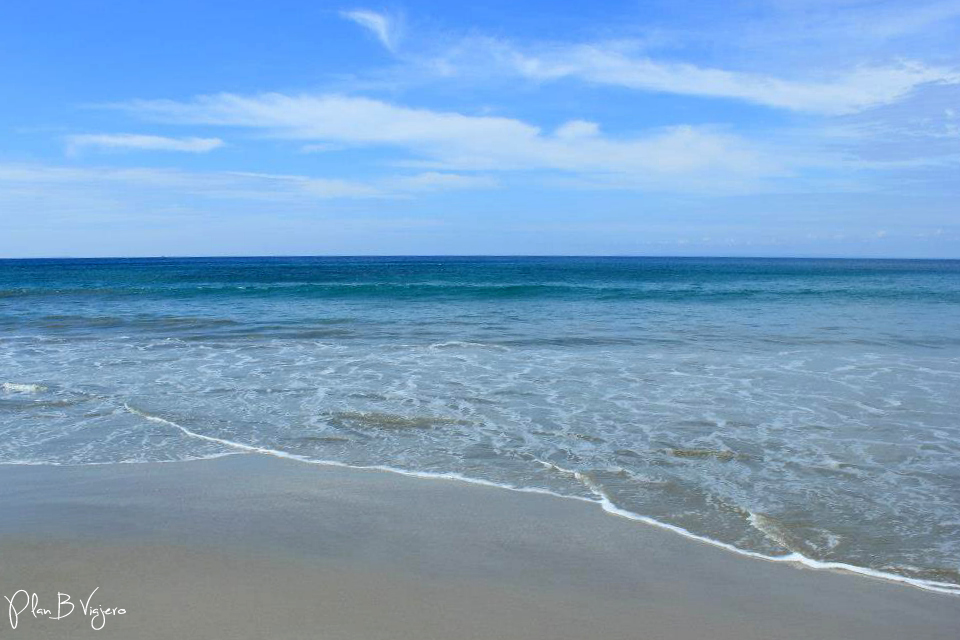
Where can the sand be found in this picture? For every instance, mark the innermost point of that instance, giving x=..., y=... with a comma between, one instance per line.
x=250, y=546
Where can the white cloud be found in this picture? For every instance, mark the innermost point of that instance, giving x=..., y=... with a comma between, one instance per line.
x=812, y=57
x=842, y=92
x=129, y=141
x=450, y=141
x=384, y=28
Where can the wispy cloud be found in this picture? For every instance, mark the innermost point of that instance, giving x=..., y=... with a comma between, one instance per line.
x=229, y=185
x=811, y=56
x=133, y=141
x=841, y=92
x=383, y=27
x=862, y=21
x=838, y=90
x=450, y=141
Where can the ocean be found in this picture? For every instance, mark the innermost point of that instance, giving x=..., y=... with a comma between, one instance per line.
x=795, y=409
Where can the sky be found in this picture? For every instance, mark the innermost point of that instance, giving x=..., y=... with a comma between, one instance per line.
x=739, y=128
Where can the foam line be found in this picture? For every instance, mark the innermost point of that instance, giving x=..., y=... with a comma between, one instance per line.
x=602, y=500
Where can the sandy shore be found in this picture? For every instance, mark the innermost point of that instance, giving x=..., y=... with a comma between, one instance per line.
x=256, y=547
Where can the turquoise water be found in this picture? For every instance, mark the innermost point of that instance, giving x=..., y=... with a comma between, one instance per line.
x=780, y=406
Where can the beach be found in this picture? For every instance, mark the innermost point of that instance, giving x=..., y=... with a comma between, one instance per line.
x=417, y=448
x=499, y=321
x=252, y=546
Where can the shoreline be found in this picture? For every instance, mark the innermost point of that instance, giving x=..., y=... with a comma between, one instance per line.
x=421, y=545
x=602, y=501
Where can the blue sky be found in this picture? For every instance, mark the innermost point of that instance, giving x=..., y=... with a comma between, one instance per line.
x=779, y=127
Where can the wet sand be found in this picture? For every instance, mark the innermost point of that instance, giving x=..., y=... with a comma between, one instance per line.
x=250, y=546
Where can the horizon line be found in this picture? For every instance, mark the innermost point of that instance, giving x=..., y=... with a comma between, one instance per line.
x=476, y=255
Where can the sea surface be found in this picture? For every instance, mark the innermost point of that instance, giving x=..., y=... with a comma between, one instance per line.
x=799, y=409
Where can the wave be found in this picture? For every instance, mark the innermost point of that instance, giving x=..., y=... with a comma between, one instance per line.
x=601, y=499
x=637, y=291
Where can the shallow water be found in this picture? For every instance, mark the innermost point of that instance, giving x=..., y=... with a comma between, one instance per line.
x=781, y=406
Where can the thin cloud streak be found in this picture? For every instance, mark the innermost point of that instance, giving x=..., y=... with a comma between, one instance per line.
x=380, y=25
x=230, y=185
x=139, y=142
x=848, y=92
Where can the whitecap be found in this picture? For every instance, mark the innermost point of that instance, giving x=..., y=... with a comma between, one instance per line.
x=20, y=387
